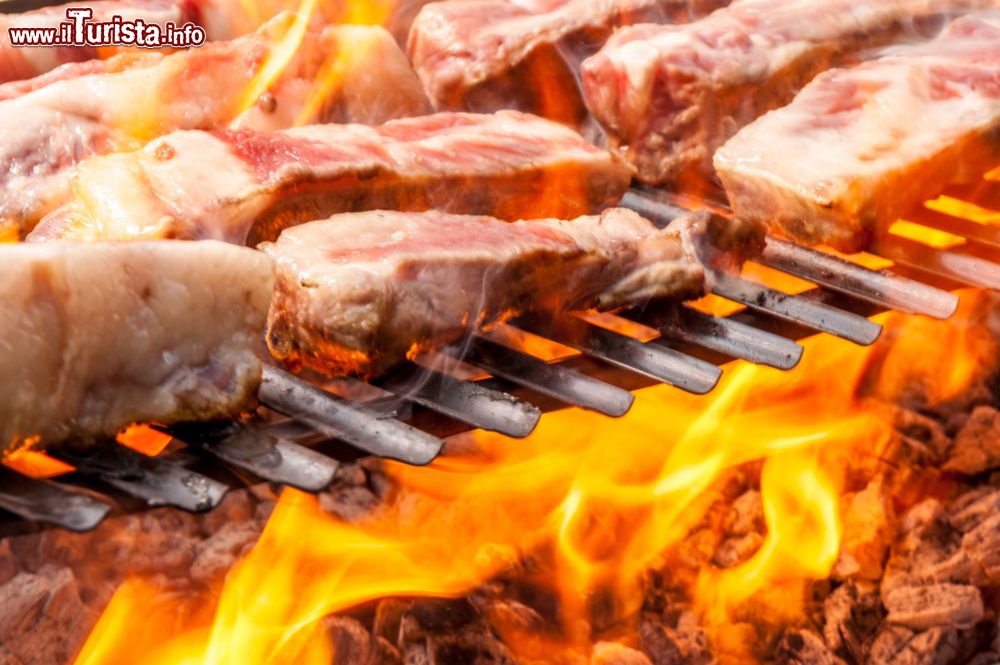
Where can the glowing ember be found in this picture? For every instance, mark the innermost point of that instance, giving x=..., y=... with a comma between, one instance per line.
x=144, y=439
x=36, y=464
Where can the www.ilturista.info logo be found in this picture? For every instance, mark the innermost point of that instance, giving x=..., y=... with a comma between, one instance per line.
x=79, y=30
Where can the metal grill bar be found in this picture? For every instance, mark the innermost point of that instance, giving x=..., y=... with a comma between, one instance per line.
x=727, y=336
x=969, y=270
x=471, y=403
x=561, y=383
x=651, y=359
x=886, y=290
x=809, y=313
x=49, y=502
x=269, y=458
x=154, y=480
x=355, y=425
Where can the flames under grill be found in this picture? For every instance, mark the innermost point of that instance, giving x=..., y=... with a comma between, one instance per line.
x=305, y=431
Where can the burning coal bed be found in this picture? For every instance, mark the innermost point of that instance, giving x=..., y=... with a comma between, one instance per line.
x=848, y=511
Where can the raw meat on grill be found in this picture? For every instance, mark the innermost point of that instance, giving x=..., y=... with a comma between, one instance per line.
x=96, y=336
x=49, y=124
x=244, y=186
x=858, y=147
x=669, y=96
x=359, y=292
x=476, y=55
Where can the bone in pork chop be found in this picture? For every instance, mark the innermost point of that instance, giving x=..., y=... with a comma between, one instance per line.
x=245, y=186
x=96, y=336
x=49, y=125
x=858, y=147
x=669, y=96
x=476, y=55
x=356, y=293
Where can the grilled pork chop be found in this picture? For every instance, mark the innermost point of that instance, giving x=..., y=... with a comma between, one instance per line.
x=245, y=186
x=669, y=96
x=859, y=147
x=357, y=293
x=477, y=55
x=96, y=336
x=50, y=124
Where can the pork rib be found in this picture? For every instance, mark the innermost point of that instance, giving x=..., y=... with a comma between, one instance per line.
x=49, y=124
x=356, y=293
x=483, y=56
x=858, y=147
x=246, y=186
x=669, y=96
x=96, y=336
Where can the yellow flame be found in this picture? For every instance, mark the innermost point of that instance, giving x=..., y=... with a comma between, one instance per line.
x=345, y=59
x=279, y=56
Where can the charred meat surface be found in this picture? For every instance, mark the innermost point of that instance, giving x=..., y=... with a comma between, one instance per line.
x=247, y=186
x=357, y=293
x=669, y=96
x=860, y=146
x=96, y=336
x=484, y=56
x=49, y=124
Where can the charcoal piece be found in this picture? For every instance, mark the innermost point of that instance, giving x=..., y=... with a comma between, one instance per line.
x=613, y=653
x=42, y=619
x=977, y=445
x=737, y=549
x=474, y=645
x=237, y=506
x=8, y=567
x=511, y=617
x=953, y=605
x=388, y=615
x=869, y=527
x=443, y=614
x=850, y=616
x=220, y=551
x=928, y=552
x=923, y=433
x=352, y=644
x=686, y=642
x=898, y=645
x=349, y=496
x=982, y=545
x=804, y=647
x=973, y=508
x=658, y=643
x=384, y=653
x=7, y=658
x=746, y=515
